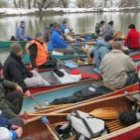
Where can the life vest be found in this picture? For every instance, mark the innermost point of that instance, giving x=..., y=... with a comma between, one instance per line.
x=42, y=52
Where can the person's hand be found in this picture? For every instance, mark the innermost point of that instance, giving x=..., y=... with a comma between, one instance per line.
x=14, y=127
x=27, y=93
x=35, y=69
x=19, y=88
x=24, y=121
x=19, y=132
x=25, y=40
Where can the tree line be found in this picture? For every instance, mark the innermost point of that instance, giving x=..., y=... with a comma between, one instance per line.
x=44, y=4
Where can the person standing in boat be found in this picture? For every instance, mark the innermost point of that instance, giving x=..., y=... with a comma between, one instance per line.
x=133, y=37
x=11, y=98
x=58, y=43
x=15, y=70
x=101, y=49
x=109, y=30
x=117, y=69
x=99, y=28
x=20, y=33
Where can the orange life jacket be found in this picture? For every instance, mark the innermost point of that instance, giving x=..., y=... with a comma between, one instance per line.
x=42, y=52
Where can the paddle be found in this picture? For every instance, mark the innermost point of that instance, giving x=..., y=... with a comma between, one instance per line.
x=105, y=113
x=36, y=100
x=50, y=128
x=102, y=113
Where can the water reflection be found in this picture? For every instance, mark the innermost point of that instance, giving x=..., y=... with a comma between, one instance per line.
x=79, y=22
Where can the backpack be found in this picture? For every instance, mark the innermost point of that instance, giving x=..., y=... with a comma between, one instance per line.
x=86, y=126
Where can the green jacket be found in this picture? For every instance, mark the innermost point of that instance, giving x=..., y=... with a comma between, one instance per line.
x=5, y=87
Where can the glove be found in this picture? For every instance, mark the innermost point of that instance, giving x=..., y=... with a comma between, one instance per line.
x=44, y=120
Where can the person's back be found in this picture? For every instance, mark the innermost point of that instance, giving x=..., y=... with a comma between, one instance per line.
x=101, y=49
x=108, y=30
x=114, y=68
x=132, y=39
x=57, y=39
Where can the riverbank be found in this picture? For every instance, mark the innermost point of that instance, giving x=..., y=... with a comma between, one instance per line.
x=19, y=11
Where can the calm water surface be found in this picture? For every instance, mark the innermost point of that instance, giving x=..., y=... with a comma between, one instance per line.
x=79, y=22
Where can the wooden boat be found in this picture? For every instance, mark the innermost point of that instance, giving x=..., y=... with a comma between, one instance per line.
x=64, y=84
x=7, y=44
x=117, y=130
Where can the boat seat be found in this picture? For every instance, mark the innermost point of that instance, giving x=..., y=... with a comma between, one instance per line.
x=67, y=78
x=114, y=125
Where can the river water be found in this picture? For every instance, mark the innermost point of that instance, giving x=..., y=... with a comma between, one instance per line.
x=80, y=23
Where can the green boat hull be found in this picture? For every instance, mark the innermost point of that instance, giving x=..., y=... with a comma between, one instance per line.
x=7, y=44
x=59, y=57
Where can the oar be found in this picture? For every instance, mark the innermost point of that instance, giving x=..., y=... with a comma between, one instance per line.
x=131, y=98
x=102, y=113
x=36, y=100
x=26, y=115
x=50, y=128
x=51, y=106
x=105, y=113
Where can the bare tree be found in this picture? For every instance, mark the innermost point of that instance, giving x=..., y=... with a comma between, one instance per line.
x=85, y=3
x=64, y=3
x=15, y=3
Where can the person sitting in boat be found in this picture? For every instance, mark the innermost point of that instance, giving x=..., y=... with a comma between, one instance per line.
x=58, y=43
x=99, y=28
x=109, y=29
x=39, y=54
x=101, y=49
x=8, y=129
x=132, y=39
x=15, y=70
x=117, y=69
x=64, y=27
x=11, y=98
x=20, y=33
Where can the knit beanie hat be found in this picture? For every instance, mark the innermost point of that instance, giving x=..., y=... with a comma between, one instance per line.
x=64, y=22
x=131, y=26
x=15, y=47
x=22, y=22
x=1, y=66
x=111, y=23
x=102, y=22
x=108, y=38
x=38, y=35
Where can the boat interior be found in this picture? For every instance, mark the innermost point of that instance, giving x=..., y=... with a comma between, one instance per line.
x=120, y=103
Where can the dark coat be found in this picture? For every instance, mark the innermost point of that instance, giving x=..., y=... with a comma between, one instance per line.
x=15, y=70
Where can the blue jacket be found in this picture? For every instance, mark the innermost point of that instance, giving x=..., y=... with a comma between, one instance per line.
x=57, y=40
x=63, y=28
x=4, y=122
x=20, y=34
x=100, y=50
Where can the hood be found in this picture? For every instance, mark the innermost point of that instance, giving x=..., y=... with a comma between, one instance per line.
x=102, y=43
x=109, y=26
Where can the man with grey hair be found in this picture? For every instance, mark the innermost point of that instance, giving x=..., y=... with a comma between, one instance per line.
x=117, y=69
x=15, y=70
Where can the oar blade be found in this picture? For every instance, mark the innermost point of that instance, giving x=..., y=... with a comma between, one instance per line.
x=105, y=113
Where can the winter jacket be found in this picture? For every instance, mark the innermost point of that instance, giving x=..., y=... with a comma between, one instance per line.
x=108, y=31
x=57, y=40
x=100, y=50
x=114, y=68
x=132, y=39
x=47, y=34
x=97, y=29
x=5, y=87
x=63, y=28
x=15, y=70
x=5, y=124
x=20, y=34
